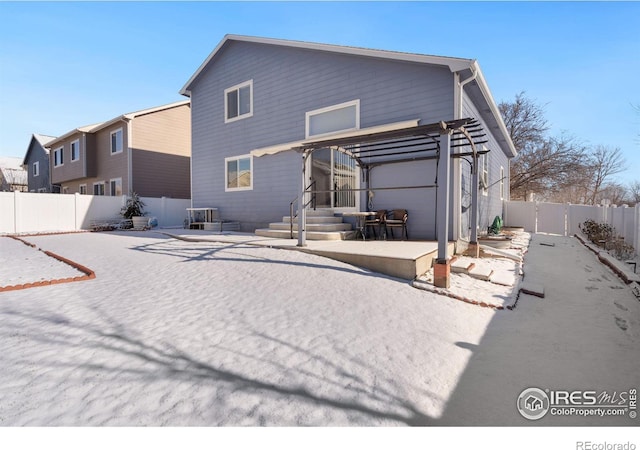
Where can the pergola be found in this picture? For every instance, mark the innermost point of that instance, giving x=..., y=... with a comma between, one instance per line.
x=434, y=141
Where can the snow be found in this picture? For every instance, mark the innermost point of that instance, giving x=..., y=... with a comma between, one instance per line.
x=176, y=333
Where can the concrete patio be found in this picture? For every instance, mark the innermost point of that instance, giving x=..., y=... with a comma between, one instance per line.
x=401, y=259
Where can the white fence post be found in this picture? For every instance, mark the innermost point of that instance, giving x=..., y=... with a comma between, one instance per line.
x=636, y=229
x=17, y=211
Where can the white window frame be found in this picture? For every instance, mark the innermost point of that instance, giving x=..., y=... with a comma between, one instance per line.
x=119, y=130
x=501, y=182
x=485, y=174
x=110, y=186
x=65, y=189
x=36, y=169
x=327, y=109
x=81, y=189
x=226, y=173
x=97, y=184
x=237, y=87
x=75, y=143
x=58, y=151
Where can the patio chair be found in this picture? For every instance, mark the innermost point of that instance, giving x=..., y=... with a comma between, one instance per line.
x=376, y=221
x=397, y=219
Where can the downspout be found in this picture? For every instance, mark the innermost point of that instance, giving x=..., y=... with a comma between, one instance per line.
x=129, y=156
x=474, y=177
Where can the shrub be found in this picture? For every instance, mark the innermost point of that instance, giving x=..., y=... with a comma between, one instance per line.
x=133, y=207
x=605, y=236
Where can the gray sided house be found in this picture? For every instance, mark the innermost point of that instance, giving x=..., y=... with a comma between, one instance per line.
x=147, y=152
x=36, y=163
x=254, y=101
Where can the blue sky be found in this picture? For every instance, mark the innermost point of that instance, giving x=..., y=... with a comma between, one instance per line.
x=68, y=64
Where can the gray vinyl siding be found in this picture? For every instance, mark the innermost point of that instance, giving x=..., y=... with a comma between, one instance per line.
x=287, y=83
x=42, y=181
x=490, y=205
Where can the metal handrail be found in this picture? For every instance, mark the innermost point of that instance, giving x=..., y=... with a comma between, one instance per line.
x=312, y=201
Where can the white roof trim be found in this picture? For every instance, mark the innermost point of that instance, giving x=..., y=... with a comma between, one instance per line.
x=454, y=64
x=273, y=149
x=142, y=112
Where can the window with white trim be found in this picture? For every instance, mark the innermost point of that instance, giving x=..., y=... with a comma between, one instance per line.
x=83, y=189
x=98, y=188
x=65, y=189
x=36, y=169
x=484, y=174
x=75, y=150
x=115, y=187
x=501, y=183
x=58, y=159
x=238, y=101
x=116, y=141
x=332, y=119
x=238, y=174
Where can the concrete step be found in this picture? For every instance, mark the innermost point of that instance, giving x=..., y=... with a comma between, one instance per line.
x=311, y=235
x=462, y=266
x=328, y=212
x=312, y=226
x=316, y=219
x=481, y=273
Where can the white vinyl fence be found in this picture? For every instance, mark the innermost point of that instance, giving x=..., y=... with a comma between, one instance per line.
x=564, y=218
x=25, y=212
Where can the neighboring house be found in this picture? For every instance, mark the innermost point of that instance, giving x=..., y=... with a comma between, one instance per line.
x=36, y=163
x=147, y=152
x=256, y=100
x=12, y=176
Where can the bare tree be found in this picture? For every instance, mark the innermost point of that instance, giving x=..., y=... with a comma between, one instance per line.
x=525, y=122
x=543, y=164
x=633, y=192
x=615, y=192
x=603, y=163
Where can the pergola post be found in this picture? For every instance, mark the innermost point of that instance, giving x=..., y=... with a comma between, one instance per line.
x=302, y=210
x=474, y=249
x=442, y=266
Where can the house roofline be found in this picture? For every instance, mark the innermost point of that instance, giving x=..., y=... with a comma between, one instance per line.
x=493, y=106
x=42, y=139
x=124, y=117
x=454, y=64
x=132, y=115
x=84, y=129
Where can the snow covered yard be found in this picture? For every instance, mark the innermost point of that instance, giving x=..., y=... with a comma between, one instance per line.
x=202, y=333
x=184, y=333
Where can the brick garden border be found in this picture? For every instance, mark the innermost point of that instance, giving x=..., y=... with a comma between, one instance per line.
x=88, y=273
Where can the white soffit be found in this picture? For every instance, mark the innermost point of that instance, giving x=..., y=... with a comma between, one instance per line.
x=273, y=149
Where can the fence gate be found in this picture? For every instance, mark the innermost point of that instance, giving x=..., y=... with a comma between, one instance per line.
x=552, y=218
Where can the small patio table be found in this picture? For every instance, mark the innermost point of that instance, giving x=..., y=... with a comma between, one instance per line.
x=361, y=219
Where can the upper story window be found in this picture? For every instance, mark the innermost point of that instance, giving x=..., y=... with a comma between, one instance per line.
x=83, y=189
x=116, y=141
x=36, y=169
x=238, y=174
x=75, y=150
x=58, y=158
x=238, y=101
x=342, y=117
